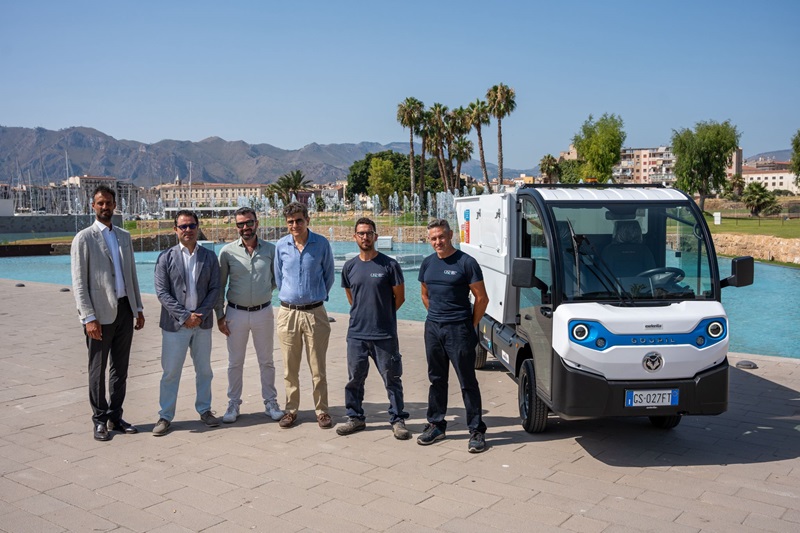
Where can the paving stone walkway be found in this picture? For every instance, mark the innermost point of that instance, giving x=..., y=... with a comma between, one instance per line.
x=736, y=472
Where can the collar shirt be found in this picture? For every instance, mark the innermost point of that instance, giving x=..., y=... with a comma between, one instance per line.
x=110, y=237
x=250, y=279
x=190, y=269
x=304, y=277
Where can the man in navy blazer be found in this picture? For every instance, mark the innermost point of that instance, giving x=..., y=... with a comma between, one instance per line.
x=107, y=293
x=187, y=284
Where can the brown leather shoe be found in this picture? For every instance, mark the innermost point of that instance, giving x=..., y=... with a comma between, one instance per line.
x=324, y=420
x=288, y=420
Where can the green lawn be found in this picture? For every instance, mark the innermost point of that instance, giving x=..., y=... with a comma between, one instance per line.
x=776, y=227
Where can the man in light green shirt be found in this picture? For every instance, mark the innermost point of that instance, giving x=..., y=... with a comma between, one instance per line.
x=247, y=270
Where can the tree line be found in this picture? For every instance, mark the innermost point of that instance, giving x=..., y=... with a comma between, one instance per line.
x=702, y=155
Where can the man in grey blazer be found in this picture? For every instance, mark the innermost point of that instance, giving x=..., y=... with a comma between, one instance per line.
x=187, y=284
x=107, y=293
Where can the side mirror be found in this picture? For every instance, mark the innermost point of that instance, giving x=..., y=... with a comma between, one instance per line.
x=741, y=273
x=523, y=272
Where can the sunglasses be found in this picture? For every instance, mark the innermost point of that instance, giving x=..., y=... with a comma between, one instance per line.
x=249, y=223
x=292, y=221
x=184, y=227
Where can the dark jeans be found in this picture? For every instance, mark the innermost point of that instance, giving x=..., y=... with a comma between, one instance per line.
x=388, y=360
x=116, y=347
x=452, y=343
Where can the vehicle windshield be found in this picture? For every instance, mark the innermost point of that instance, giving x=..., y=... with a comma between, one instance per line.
x=629, y=253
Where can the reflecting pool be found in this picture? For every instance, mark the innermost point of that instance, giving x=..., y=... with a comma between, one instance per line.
x=763, y=316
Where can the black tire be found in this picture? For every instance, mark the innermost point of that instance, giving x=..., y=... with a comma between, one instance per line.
x=665, y=422
x=480, y=356
x=532, y=410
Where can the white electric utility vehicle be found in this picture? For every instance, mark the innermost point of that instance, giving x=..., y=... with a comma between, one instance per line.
x=604, y=300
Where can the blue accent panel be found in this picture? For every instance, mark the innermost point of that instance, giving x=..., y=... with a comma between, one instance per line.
x=597, y=330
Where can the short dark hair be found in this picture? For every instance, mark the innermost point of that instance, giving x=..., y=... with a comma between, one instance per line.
x=295, y=207
x=105, y=189
x=439, y=223
x=367, y=221
x=245, y=211
x=186, y=213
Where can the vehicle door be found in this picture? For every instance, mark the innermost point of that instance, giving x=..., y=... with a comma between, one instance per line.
x=536, y=312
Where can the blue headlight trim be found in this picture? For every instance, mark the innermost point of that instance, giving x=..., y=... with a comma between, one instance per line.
x=597, y=330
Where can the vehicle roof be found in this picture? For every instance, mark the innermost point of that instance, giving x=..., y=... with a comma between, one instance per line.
x=588, y=194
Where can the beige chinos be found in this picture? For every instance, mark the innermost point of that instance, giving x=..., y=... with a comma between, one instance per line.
x=311, y=327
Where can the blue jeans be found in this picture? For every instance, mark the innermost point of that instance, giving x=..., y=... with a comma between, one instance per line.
x=454, y=343
x=173, y=354
x=390, y=365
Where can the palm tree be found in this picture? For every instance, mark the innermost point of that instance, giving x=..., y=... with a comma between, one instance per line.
x=290, y=184
x=459, y=124
x=549, y=167
x=501, y=99
x=462, y=151
x=758, y=199
x=481, y=116
x=409, y=115
x=437, y=130
x=737, y=184
x=423, y=130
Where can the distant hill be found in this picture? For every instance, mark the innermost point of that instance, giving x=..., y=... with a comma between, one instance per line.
x=778, y=155
x=40, y=155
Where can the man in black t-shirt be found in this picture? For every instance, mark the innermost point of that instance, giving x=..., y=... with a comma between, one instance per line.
x=447, y=278
x=375, y=289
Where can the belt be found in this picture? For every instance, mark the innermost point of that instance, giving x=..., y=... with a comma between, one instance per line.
x=254, y=308
x=307, y=307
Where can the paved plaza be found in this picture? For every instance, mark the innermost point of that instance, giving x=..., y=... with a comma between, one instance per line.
x=736, y=472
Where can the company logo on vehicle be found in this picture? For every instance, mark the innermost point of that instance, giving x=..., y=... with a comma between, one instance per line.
x=653, y=340
x=652, y=362
x=653, y=326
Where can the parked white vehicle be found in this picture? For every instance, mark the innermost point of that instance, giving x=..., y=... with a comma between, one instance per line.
x=604, y=301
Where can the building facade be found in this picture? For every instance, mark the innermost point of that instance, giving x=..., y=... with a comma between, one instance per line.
x=772, y=180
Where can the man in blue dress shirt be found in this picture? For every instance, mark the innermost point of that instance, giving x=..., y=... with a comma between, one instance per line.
x=304, y=275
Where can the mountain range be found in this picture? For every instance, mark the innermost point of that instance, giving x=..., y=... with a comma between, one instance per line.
x=777, y=155
x=41, y=156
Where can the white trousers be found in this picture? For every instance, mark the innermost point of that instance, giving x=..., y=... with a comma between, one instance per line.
x=261, y=324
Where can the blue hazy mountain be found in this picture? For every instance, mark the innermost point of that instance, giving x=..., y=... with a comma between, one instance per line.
x=41, y=156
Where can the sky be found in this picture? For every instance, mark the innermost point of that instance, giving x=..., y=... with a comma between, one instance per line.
x=294, y=73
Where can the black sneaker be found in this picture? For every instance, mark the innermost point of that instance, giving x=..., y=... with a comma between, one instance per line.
x=431, y=434
x=477, y=442
x=209, y=419
x=351, y=426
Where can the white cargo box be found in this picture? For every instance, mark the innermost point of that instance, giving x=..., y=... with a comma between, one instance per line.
x=485, y=234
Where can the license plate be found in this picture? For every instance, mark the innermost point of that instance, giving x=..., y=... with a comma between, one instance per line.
x=651, y=398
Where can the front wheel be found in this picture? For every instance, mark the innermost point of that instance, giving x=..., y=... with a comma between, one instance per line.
x=665, y=422
x=532, y=410
x=480, y=356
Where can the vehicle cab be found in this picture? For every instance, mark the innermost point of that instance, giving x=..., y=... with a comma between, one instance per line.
x=604, y=300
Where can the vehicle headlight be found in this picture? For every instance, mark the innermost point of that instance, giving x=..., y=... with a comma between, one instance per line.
x=715, y=330
x=580, y=331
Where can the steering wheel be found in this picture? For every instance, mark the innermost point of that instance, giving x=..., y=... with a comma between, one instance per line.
x=675, y=274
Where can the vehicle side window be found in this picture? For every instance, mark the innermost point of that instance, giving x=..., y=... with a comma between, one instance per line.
x=535, y=246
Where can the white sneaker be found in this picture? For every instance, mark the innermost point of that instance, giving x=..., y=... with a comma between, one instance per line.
x=273, y=410
x=232, y=413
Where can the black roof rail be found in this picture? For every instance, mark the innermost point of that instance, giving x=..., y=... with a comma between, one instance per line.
x=593, y=186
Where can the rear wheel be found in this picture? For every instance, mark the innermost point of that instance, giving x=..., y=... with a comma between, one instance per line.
x=532, y=410
x=480, y=356
x=665, y=422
